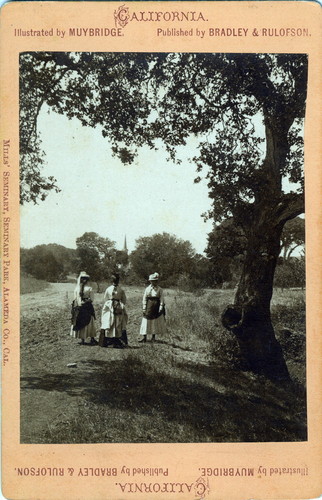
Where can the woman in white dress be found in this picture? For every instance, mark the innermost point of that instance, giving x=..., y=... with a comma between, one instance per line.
x=114, y=316
x=83, y=314
x=153, y=321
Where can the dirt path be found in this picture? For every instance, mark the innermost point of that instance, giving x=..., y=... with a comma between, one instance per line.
x=57, y=294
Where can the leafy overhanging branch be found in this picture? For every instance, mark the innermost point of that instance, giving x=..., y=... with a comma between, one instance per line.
x=140, y=99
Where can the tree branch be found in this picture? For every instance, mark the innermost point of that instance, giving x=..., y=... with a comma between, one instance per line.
x=289, y=207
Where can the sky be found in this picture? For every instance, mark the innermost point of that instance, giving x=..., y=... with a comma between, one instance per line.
x=100, y=194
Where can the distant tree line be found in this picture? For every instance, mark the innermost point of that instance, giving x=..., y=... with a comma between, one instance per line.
x=173, y=258
x=48, y=262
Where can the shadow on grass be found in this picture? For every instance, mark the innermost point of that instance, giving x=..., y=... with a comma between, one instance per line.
x=170, y=344
x=212, y=404
x=280, y=397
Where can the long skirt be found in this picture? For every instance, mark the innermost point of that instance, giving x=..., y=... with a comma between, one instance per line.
x=114, y=319
x=84, y=333
x=83, y=321
x=153, y=326
x=153, y=321
x=115, y=330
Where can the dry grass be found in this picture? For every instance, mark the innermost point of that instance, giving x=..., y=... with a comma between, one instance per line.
x=185, y=388
x=28, y=284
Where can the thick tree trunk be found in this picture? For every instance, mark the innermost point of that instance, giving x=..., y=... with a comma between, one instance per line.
x=249, y=317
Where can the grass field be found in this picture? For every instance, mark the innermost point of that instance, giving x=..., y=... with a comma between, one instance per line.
x=184, y=388
x=28, y=284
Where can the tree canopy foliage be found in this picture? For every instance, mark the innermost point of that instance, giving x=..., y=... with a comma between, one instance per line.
x=140, y=99
x=290, y=273
x=227, y=246
x=225, y=249
x=42, y=263
x=97, y=255
x=164, y=253
x=226, y=240
x=293, y=236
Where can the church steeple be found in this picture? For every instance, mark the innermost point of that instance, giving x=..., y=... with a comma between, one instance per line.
x=125, y=245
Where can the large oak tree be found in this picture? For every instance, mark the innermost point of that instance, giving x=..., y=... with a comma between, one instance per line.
x=245, y=112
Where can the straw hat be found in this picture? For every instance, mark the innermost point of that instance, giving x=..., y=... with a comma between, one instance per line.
x=83, y=274
x=154, y=277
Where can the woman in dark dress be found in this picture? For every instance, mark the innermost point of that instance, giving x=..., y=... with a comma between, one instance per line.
x=83, y=314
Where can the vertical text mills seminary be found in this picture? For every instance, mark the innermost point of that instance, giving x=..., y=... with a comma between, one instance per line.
x=5, y=229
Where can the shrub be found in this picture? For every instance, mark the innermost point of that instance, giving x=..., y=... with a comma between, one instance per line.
x=290, y=273
x=188, y=284
x=290, y=315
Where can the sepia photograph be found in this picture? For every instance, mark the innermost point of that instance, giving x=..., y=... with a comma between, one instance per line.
x=162, y=247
